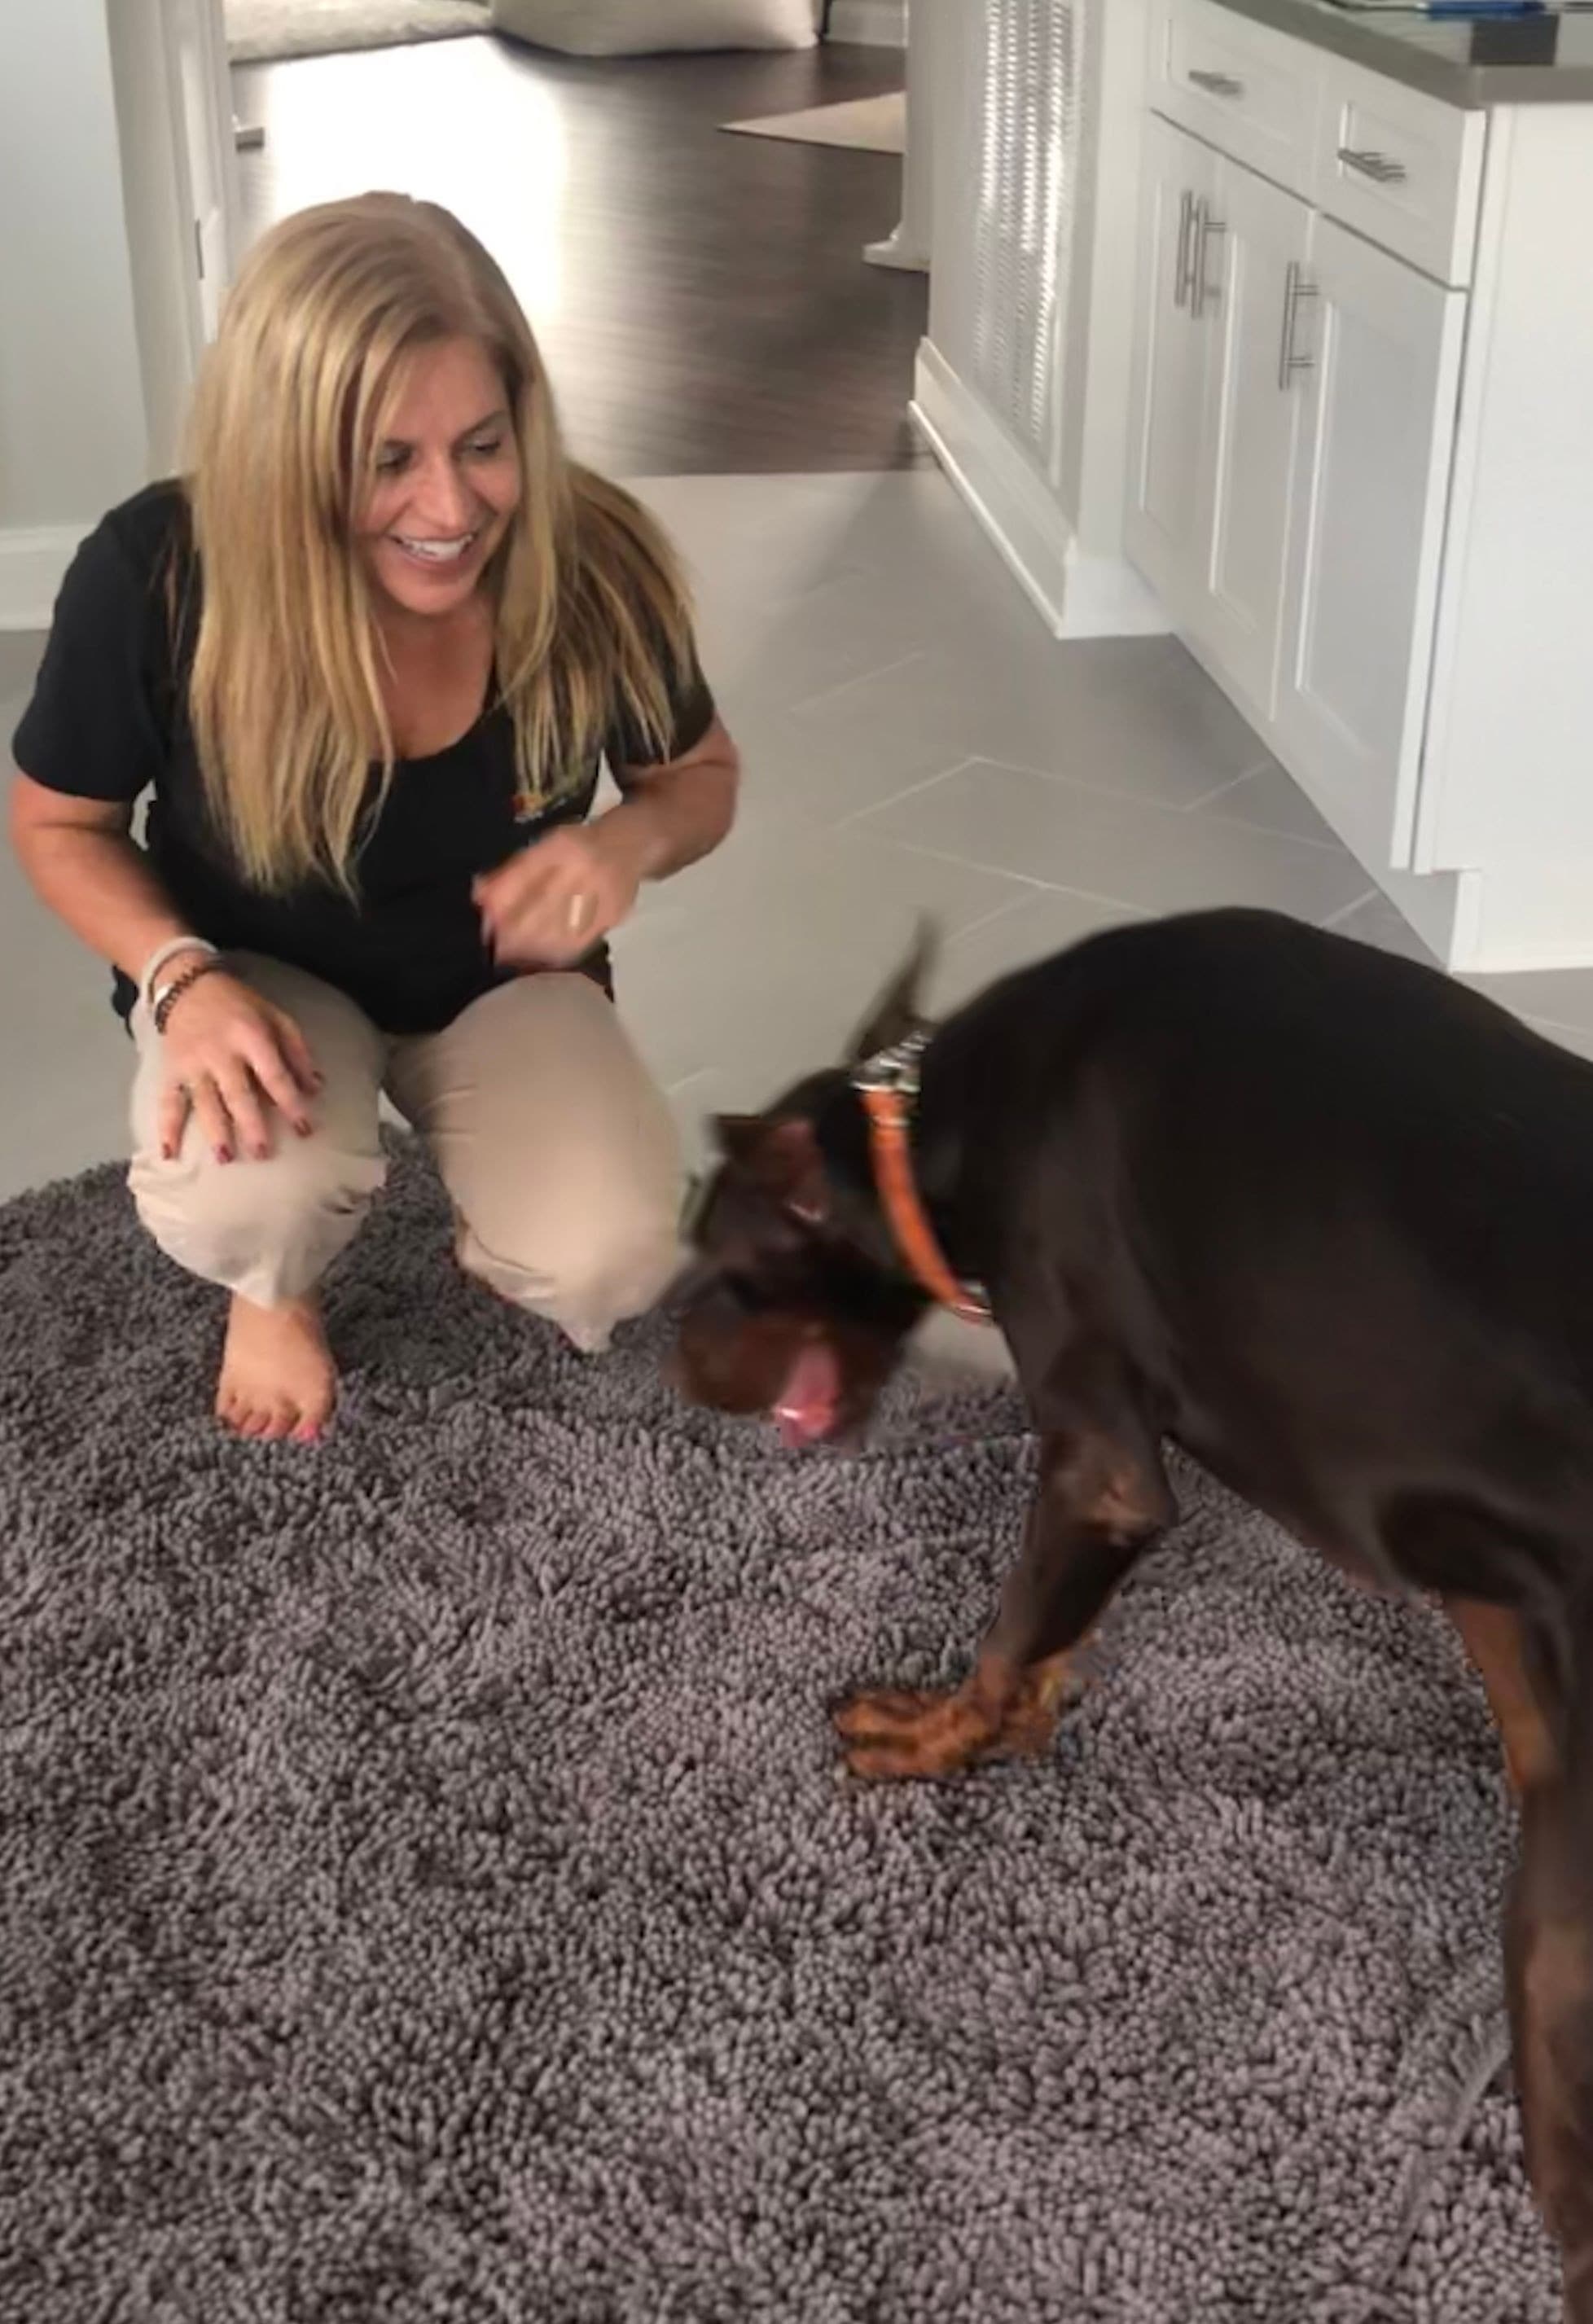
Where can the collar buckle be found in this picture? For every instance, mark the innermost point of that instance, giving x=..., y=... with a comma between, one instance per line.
x=895, y=1070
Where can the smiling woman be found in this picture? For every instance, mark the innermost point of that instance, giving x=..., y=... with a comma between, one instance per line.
x=367, y=656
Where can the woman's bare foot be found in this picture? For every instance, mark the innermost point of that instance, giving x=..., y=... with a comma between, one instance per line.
x=277, y=1375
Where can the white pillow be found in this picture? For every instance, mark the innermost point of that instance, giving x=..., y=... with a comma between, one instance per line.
x=628, y=28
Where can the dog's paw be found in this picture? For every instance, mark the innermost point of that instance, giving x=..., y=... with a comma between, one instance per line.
x=893, y=1734
x=896, y=1733
x=885, y=1710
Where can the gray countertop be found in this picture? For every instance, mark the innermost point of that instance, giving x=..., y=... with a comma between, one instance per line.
x=1544, y=59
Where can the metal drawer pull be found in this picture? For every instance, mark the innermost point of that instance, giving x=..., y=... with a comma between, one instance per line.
x=1295, y=288
x=1217, y=84
x=1206, y=227
x=1380, y=168
x=1186, y=227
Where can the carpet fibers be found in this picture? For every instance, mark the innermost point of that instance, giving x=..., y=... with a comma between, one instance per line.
x=426, y=1896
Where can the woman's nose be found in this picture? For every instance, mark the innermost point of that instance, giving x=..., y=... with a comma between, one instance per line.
x=442, y=504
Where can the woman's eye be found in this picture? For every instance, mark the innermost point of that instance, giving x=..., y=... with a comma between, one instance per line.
x=388, y=464
x=486, y=447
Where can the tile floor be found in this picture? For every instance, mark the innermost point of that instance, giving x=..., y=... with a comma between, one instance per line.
x=915, y=742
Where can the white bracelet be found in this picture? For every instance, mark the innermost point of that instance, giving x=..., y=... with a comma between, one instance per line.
x=157, y=962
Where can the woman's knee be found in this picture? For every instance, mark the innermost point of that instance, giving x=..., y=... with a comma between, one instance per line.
x=266, y=1229
x=586, y=1267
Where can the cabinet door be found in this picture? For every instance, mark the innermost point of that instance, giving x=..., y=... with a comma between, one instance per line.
x=1250, y=251
x=1172, y=362
x=1372, y=459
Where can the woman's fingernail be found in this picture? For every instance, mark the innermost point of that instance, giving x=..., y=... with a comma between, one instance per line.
x=168, y=1153
x=303, y=1126
x=224, y=1154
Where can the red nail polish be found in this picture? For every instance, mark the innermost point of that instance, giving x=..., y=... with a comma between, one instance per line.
x=224, y=1154
x=168, y=1154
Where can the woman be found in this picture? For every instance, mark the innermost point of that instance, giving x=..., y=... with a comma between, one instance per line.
x=366, y=659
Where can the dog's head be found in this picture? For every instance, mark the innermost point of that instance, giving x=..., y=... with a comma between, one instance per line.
x=794, y=1304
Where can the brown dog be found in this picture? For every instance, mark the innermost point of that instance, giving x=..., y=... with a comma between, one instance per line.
x=1321, y=1216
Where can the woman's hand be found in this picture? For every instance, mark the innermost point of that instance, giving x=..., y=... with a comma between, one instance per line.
x=548, y=906
x=228, y=1054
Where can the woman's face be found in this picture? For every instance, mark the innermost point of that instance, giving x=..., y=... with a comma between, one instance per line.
x=446, y=484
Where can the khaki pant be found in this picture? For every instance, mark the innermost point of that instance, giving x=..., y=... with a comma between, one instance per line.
x=557, y=1151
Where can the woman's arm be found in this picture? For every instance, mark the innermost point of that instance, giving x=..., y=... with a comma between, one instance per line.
x=547, y=906
x=82, y=862
x=674, y=815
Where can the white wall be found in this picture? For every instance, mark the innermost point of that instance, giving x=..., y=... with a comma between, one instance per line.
x=73, y=434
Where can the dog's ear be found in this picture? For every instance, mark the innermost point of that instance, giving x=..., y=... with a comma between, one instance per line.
x=782, y=1158
x=899, y=1010
x=740, y=1137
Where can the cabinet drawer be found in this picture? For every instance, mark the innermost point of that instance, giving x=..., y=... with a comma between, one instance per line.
x=1401, y=168
x=1249, y=91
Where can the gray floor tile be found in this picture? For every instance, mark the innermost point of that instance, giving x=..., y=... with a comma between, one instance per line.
x=1375, y=921
x=66, y=1059
x=1142, y=858
x=1272, y=800
x=1562, y=996
x=1046, y=922
x=19, y=659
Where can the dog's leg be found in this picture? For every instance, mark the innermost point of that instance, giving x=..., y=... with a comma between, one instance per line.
x=1549, y=1954
x=1493, y=1639
x=1102, y=1498
x=1548, y=1945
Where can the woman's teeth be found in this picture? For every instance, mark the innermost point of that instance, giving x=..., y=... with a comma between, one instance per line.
x=437, y=553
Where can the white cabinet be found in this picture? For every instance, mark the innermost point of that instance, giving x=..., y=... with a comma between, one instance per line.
x=1307, y=346
x=1381, y=346
x=1255, y=253
x=1223, y=255
x=1173, y=366
x=1295, y=420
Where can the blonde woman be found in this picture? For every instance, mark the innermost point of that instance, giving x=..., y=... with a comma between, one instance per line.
x=365, y=659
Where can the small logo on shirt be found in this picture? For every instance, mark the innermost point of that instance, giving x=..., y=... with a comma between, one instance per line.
x=531, y=805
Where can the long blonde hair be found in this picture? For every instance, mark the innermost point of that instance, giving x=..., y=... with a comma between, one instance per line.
x=293, y=400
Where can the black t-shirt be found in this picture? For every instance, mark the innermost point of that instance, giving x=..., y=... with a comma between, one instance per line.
x=109, y=720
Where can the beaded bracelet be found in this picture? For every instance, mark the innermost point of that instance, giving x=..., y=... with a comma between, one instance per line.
x=173, y=992
x=157, y=962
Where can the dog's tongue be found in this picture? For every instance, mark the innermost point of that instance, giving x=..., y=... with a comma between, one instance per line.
x=811, y=1400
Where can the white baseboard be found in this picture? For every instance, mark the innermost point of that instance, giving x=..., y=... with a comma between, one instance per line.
x=33, y=565
x=1076, y=596
x=871, y=23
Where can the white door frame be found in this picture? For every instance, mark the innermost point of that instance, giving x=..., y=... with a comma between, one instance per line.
x=180, y=178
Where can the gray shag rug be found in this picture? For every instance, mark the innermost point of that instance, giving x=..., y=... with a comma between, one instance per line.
x=428, y=1897
x=259, y=32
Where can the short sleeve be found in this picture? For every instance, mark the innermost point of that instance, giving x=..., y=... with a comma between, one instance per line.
x=91, y=730
x=691, y=712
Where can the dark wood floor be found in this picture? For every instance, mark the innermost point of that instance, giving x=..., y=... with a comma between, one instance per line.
x=702, y=298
